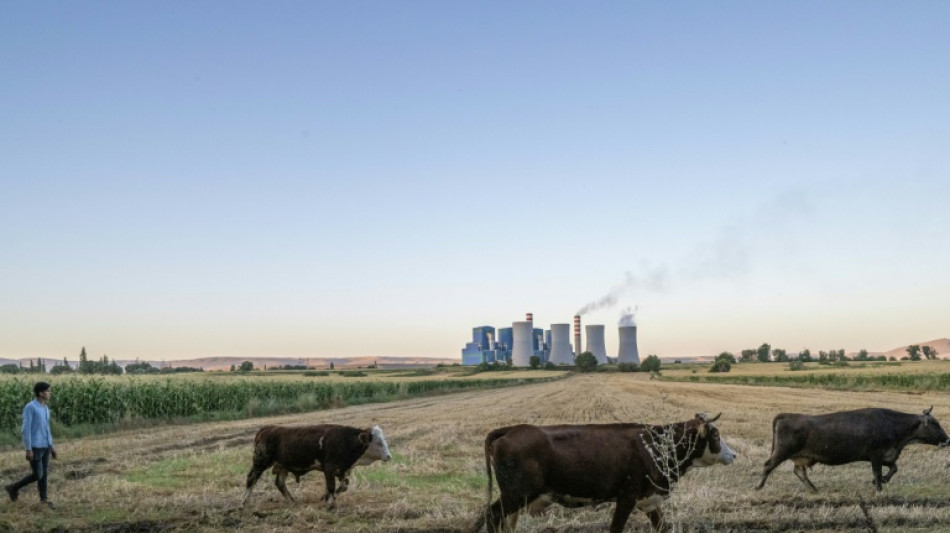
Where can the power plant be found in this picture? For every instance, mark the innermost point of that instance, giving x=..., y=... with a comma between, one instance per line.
x=595, y=342
x=522, y=341
x=627, y=351
x=561, y=353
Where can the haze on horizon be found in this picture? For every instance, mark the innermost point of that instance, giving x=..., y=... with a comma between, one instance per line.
x=374, y=178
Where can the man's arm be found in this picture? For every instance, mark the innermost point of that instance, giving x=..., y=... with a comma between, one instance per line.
x=28, y=431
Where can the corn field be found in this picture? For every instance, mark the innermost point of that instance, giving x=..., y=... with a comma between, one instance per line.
x=79, y=400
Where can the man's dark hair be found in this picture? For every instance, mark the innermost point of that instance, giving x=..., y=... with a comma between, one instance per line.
x=40, y=387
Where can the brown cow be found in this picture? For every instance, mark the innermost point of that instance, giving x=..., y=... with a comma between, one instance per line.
x=575, y=465
x=873, y=434
x=330, y=448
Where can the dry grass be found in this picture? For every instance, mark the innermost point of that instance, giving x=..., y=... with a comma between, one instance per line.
x=191, y=478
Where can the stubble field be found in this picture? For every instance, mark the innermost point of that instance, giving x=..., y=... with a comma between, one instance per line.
x=191, y=478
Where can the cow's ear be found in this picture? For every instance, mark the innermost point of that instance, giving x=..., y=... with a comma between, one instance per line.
x=366, y=437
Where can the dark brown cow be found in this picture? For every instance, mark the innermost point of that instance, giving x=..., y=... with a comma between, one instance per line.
x=330, y=448
x=576, y=465
x=875, y=435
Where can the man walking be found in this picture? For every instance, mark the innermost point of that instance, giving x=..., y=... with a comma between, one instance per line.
x=38, y=442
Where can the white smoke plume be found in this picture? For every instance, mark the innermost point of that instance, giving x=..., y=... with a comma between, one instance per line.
x=628, y=317
x=730, y=254
x=655, y=279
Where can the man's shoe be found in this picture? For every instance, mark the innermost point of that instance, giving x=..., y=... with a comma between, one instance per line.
x=48, y=504
x=12, y=491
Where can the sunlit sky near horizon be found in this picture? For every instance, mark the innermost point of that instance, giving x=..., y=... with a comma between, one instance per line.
x=314, y=179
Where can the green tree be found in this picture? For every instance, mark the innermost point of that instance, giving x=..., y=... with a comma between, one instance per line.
x=142, y=368
x=804, y=355
x=535, y=361
x=723, y=362
x=651, y=364
x=780, y=355
x=914, y=352
x=84, y=367
x=862, y=355
x=929, y=352
x=586, y=362
x=748, y=356
x=247, y=366
x=762, y=353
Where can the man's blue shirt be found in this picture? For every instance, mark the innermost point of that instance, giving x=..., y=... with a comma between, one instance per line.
x=36, y=432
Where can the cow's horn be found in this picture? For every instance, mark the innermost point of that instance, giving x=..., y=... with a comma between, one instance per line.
x=927, y=411
x=713, y=419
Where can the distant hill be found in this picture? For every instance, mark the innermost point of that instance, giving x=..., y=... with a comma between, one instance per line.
x=224, y=363
x=941, y=345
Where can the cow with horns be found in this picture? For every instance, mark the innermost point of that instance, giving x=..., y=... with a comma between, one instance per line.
x=330, y=448
x=634, y=465
x=873, y=434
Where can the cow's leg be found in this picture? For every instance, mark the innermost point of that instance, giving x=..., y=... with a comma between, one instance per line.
x=506, y=509
x=878, y=478
x=494, y=517
x=252, y=477
x=776, y=459
x=511, y=521
x=344, y=482
x=801, y=472
x=281, y=481
x=329, y=476
x=621, y=512
x=891, y=470
x=656, y=520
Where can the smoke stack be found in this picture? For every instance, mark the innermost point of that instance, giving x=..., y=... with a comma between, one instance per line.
x=529, y=317
x=561, y=344
x=523, y=342
x=595, y=342
x=628, y=353
x=577, y=335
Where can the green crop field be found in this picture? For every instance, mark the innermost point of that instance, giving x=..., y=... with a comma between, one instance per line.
x=80, y=403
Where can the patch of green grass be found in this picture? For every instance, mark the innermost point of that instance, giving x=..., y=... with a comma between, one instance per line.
x=171, y=473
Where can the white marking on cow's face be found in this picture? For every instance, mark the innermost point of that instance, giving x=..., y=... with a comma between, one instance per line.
x=378, y=449
x=709, y=458
x=650, y=504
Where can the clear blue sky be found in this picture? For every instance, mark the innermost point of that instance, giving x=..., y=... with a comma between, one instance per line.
x=375, y=178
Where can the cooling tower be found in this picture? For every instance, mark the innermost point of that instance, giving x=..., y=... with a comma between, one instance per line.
x=561, y=345
x=628, y=353
x=523, y=343
x=577, y=335
x=595, y=342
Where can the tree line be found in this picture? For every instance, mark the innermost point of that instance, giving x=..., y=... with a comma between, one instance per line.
x=765, y=353
x=102, y=367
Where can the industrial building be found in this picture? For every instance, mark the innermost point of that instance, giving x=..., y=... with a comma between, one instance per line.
x=522, y=341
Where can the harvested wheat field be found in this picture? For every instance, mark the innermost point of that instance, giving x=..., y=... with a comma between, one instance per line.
x=191, y=478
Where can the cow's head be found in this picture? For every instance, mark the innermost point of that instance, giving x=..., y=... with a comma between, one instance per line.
x=377, y=449
x=929, y=430
x=716, y=451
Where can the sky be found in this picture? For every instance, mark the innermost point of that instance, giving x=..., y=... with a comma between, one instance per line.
x=370, y=178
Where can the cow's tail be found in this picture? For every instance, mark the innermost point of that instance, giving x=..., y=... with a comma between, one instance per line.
x=774, y=433
x=485, y=517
